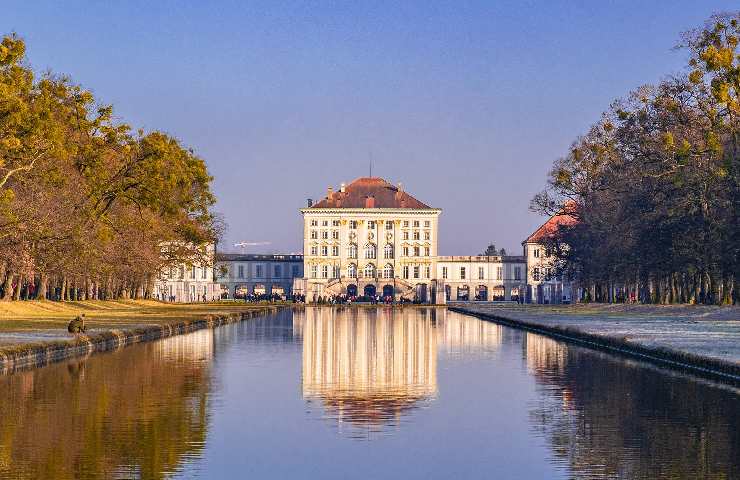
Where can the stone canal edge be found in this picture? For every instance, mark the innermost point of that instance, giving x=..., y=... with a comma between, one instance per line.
x=711, y=368
x=40, y=354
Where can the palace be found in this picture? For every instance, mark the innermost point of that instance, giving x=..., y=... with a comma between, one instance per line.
x=371, y=237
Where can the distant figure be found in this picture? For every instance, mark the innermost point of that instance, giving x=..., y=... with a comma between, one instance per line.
x=77, y=325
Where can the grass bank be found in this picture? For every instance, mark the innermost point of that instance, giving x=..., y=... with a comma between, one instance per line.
x=699, y=339
x=34, y=333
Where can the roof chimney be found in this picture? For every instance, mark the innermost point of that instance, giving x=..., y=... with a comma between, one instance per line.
x=370, y=202
x=342, y=187
x=329, y=192
x=310, y=202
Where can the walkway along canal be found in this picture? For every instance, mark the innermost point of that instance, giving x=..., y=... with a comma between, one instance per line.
x=365, y=393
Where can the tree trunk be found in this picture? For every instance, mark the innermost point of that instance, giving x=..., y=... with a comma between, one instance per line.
x=18, y=288
x=8, y=287
x=43, y=287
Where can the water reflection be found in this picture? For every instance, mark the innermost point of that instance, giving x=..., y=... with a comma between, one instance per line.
x=440, y=394
x=367, y=366
x=136, y=413
x=606, y=417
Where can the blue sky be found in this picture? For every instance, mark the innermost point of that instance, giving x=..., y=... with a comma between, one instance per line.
x=466, y=103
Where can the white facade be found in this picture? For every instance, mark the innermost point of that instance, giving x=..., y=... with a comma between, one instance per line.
x=545, y=284
x=371, y=249
x=482, y=278
x=188, y=282
x=257, y=274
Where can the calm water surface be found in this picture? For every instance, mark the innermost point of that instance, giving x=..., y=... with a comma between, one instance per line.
x=365, y=393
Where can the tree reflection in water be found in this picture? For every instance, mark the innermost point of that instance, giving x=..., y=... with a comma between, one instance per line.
x=137, y=413
x=607, y=417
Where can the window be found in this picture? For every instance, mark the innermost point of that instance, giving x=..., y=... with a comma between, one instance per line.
x=324, y=235
x=481, y=274
x=536, y=253
x=388, y=251
x=324, y=271
x=314, y=223
x=405, y=251
x=389, y=225
x=335, y=234
x=314, y=250
x=548, y=274
x=536, y=274
x=405, y=223
x=462, y=273
x=405, y=235
x=314, y=270
x=240, y=271
x=371, y=225
x=314, y=234
x=499, y=273
x=324, y=250
x=325, y=223
x=352, y=250
x=335, y=251
x=406, y=271
x=335, y=223
x=277, y=271
x=192, y=271
x=370, y=251
x=369, y=270
x=353, y=224
x=427, y=223
x=388, y=271
x=517, y=273
x=426, y=251
x=416, y=251
x=295, y=271
x=416, y=271
x=444, y=272
x=416, y=235
x=182, y=271
x=259, y=271
x=416, y=223
x=204, y=273
x=335, y=271
x=352, y=270
x=427, y=235
x=427, y=272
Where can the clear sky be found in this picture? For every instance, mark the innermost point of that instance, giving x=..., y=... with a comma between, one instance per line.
x=467, y=103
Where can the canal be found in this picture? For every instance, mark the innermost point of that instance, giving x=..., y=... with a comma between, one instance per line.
x=365, y=393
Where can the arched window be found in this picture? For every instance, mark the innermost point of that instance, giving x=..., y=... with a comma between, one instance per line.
x=369, y=270
x=388, y=271
x=370, y=251
x=352, y=270
x=352, y=250
x=388, y=251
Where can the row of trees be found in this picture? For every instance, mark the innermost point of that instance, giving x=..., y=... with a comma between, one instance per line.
x=654, y=185
x=86, y=203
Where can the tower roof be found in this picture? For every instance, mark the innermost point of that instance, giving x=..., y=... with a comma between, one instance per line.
x=370, y=192
x=566, y=217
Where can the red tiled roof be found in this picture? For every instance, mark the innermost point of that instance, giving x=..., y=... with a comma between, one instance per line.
x=370, y=192
x=551, y=226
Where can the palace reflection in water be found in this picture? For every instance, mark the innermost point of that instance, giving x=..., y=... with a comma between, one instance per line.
x=370, y=366
x=459, y=394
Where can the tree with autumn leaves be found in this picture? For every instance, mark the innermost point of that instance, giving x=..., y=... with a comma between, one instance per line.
x=86, y=204
x=654, y=185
